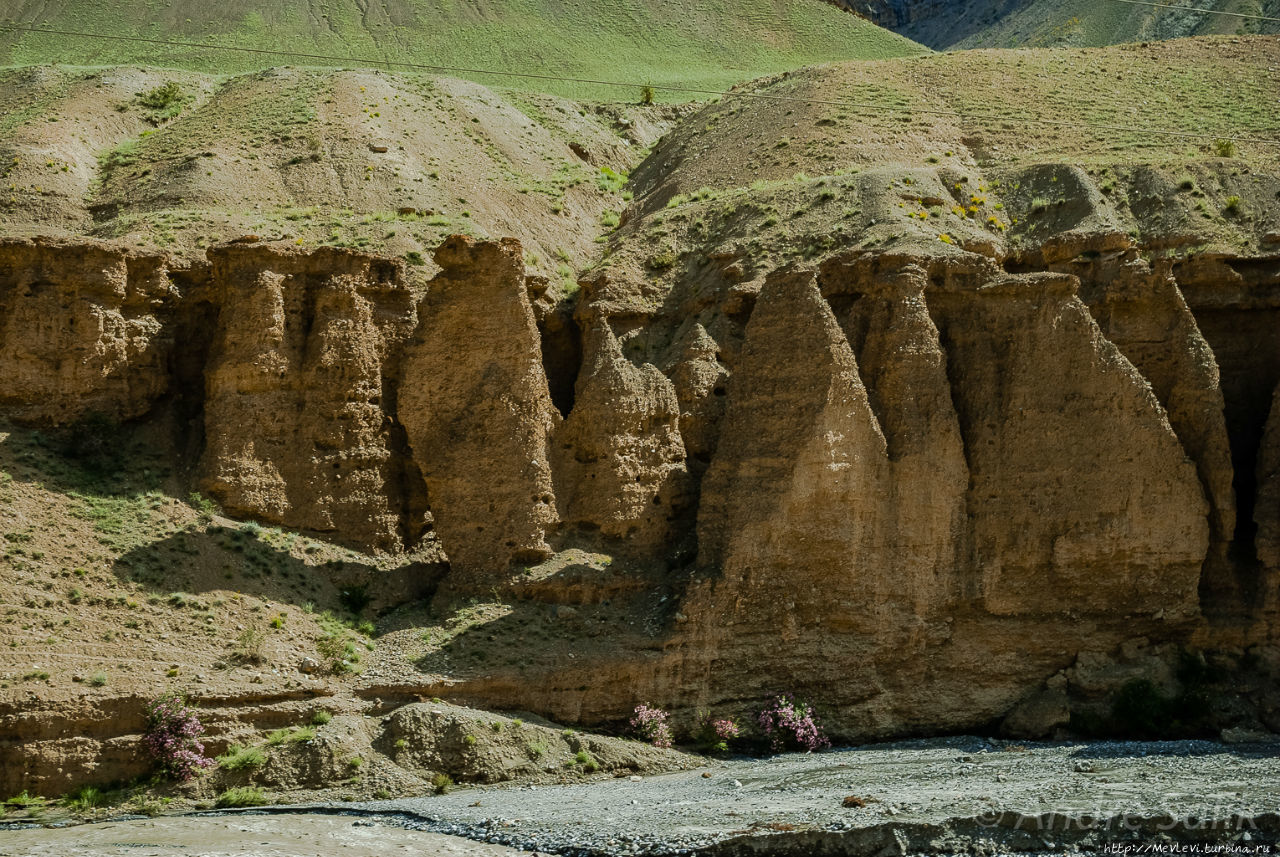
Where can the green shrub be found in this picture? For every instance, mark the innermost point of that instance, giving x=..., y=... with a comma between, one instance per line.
x=302, y=733
x=337, y=644
x=98, y=679
x=163, y=102
x=609, y=181
x=241, y=796
x=354, y=599
x=321, y=717
x=1231, y=205
x=203, y=505
x=1224, y=148
x=93, y=442
x=442, y=783
x=84, y=798
x=662, y=260
x=248, y=647
x=242, y=758
x=1140, y=709
x=24, y=799
x=646, y=94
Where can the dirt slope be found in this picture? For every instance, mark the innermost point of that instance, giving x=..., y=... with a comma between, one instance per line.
x=362, y=159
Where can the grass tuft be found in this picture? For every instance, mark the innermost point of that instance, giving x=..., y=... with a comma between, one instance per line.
x=241, y=796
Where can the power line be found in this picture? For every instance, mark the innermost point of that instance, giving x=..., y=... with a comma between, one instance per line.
x=687, y=90
x=1194, y=9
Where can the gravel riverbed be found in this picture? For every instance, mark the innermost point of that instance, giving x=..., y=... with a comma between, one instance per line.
x=939, y=795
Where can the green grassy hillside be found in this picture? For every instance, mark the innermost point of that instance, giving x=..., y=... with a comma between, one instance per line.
x=711, y=44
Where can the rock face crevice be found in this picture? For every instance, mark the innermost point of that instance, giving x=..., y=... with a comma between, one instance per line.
x=1236, y=306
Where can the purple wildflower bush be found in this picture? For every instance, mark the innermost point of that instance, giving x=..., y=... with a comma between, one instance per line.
x=715, y=734
x=650, y=725
x=789, y=724
x=172, y=738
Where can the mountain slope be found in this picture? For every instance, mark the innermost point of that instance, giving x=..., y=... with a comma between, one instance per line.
x=710, y=45
x=1042, y=23
x=385, y=162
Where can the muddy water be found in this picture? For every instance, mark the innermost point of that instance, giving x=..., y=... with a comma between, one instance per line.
x=239, y=836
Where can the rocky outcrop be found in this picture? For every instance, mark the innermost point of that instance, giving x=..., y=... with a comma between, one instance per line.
x=297, y=393
x=620, y=458
x=936, y=23
x=903, y=481
x=953, y=24
x=908, y=481
x=82, y=331
x=1144, y=314
x=700, y=380
x=886, y=320
x=479, y=418
x=801, y=458
x=1061, y=522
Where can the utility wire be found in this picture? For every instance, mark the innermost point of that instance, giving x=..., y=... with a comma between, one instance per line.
x=732, y=93
x=1194, y=9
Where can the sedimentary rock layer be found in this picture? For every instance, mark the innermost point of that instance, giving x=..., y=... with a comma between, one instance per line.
x=296, y=426
x=82, y=331
x=912, y=484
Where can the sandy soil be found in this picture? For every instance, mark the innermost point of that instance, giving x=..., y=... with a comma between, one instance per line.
x=239, y=836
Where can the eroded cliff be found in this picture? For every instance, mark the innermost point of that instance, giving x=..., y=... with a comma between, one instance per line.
x=939, y=442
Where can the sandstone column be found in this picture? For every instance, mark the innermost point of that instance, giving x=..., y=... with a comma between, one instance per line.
x=474, y=402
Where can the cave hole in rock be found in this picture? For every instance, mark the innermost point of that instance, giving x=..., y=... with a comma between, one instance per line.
x=194, y=330
x=561, y=341
x=1246, y=344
